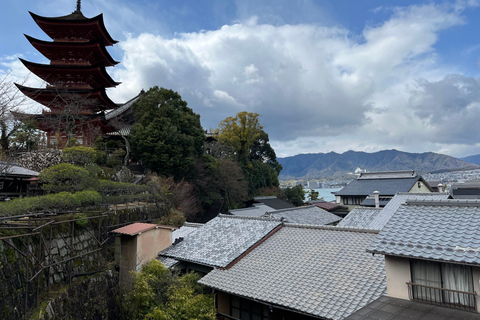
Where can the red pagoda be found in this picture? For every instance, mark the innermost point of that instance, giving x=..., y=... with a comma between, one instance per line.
x=76, y=78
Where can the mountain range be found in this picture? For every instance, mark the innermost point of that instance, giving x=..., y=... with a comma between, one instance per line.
x=335, y=165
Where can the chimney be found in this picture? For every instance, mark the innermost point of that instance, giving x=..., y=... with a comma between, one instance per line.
x=376, y=194
x=440, y=187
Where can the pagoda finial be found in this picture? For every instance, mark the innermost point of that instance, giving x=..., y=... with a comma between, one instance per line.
x=79, y=6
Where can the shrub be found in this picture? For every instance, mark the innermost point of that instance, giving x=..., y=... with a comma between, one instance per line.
x=80, y=156
x=53, y=202
x=66, y=177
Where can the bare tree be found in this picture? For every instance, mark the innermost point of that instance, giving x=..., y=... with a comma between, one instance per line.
x=11, y=100
x=72, y=116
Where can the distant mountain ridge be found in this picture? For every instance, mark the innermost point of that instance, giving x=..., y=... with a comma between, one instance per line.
x=335, y=165
x=472, y=159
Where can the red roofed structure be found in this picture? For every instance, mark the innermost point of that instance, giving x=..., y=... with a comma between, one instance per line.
x=76, y=78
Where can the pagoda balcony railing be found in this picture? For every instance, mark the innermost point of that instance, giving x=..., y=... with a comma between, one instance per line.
x=443, y=297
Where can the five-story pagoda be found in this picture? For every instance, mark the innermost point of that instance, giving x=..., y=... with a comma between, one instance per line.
x=75, y=79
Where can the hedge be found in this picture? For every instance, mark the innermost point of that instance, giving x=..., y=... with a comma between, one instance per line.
x=62, y=201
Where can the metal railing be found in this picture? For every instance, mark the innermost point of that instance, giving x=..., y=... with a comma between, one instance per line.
x=444, y=297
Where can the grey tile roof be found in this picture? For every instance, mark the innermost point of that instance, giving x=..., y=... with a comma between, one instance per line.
x=221, y=240
x=360, y=217
x=168, y=262
x=15, y=170
x=274, y=202
x=185, y=230
x=445, y=230
x=258, y=210
x=127, y=105
x=401, y=197
x=321, y=271
x=385, y=184
x=305, y=215
x=388, y=308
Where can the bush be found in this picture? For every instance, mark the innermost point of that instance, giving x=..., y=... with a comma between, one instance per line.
x=113, y=188
x=62, y=201
x=80, y=156
x=66, y=177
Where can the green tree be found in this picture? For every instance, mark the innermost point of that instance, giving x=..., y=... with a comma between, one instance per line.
x=26, y=137
x=66, y=177
x=313, y=195
x=240, y=132
x=251, y=147
x=158, y=294
x=186, y=302
x=167, y=135
x=295, y=195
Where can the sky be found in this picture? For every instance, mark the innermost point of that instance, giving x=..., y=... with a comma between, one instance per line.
x=332, y=75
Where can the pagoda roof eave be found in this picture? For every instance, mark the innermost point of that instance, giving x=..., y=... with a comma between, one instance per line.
x=43, y=46
x=45, y=96
x=38, y=69
x=76, y=18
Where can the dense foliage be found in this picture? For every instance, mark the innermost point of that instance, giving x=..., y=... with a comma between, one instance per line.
x=158, y=294
x=66, y=177
x=295, y=195
x=167, y=135
x=80, y=155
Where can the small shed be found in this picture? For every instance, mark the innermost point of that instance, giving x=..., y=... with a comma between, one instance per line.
x=137, y=244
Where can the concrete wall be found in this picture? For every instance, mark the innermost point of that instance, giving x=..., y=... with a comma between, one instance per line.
x=398, y=274
x=151, y=242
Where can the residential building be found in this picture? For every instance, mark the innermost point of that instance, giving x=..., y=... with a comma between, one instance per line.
x=432, y=261
x=386, y=183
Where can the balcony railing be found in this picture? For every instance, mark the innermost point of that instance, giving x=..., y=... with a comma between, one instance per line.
x=444, y=297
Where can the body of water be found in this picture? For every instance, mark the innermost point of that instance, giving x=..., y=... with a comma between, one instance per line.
x=326, y=193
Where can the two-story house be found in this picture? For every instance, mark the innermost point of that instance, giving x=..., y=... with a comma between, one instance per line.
x=386, y=183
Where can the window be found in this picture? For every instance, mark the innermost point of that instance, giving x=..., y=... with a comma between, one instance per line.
x=430, y=279
x=245, y=309
x=351, y=200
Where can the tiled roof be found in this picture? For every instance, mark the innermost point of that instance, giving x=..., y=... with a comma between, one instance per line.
x=388, y=308
x=185, y=230
x=321, y=271
x=325, y=205
x=135, y=228
x=16, y=170
x=389, y=184
x=221, y=240
x=305, y=215
x=168, y=262
x=401, y=197
x=127, y=105
x=360, y=217
x=274, y=202
x=445, y=230
x=370, y=201
x=258, y=210
x=407, y=174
